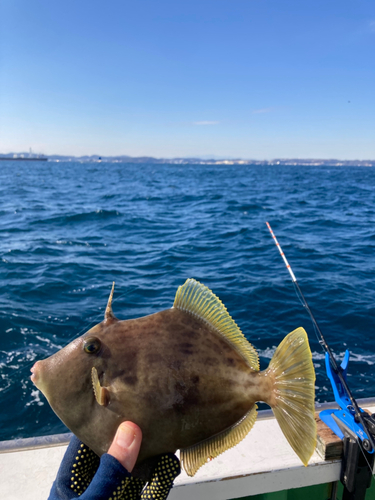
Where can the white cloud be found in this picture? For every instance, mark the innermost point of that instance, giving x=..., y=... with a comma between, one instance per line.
x=263, y=110
x=206, y=122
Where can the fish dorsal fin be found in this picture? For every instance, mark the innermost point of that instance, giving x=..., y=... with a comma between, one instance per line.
x=194, y=457
x=197, y=299
x=108, y=315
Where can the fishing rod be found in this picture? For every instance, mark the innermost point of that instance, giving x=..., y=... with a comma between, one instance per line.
x=345, y=422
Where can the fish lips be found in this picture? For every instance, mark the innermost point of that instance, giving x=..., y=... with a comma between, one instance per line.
x=35, y=373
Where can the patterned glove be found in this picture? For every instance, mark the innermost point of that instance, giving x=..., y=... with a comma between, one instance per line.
x=83, y=474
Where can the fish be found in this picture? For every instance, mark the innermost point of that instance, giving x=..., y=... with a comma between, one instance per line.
x=187, y=376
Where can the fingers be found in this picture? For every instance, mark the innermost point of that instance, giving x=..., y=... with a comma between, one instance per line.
x=126, y=444
x=165, y=472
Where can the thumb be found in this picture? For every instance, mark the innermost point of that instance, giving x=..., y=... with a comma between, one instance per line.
x=126, y=444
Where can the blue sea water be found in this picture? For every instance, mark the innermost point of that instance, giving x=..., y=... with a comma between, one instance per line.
x=67, y=230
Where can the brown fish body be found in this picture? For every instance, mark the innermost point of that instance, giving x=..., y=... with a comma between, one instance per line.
x=173, y=373
x=180, y=381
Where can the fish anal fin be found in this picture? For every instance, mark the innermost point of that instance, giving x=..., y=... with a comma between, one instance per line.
x=194, y=457
x=293, y=396
x=198, y=300
x=101, y=393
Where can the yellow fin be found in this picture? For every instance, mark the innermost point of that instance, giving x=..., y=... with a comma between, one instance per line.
x=108, y=315
x=101, y=393
x=197, y=299
x=294, y=392
x=194, y=457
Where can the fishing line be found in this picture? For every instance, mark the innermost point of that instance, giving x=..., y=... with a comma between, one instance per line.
x=308, y=310
x=364, y=454
x=323, y=343
x=361, y=447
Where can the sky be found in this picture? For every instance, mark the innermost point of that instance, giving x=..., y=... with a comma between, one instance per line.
x=252, y=79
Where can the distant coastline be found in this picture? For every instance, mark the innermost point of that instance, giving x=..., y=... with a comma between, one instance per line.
x=187, y=161
x=21, y=158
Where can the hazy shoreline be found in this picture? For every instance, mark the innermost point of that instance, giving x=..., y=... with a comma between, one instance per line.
x=185, y=161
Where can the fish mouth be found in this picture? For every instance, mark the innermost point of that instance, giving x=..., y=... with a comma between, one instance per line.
x=34, y=373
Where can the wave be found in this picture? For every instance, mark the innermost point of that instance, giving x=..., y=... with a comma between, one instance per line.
x=78, y=217
x=72, y=229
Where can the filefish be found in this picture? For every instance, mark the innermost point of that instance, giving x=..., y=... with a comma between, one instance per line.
x=187, y=376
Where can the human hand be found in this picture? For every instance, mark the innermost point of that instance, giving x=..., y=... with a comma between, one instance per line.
x=82, y=473
x=126, y=444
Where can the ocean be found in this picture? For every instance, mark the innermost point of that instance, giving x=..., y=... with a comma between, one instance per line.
x=69, y=229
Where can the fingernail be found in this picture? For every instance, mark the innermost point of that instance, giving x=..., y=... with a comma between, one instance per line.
x=125, y=436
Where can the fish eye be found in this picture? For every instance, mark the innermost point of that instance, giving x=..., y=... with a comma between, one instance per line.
x=91, y=345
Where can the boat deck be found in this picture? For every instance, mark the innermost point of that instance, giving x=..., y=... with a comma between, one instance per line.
x=262, y=463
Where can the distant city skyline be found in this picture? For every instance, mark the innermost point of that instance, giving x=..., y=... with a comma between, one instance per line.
x=246, y=79
x=189, y=160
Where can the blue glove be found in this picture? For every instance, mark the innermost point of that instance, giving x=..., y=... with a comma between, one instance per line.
x=83, y=474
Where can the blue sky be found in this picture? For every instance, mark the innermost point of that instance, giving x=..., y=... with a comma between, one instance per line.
x=236, y=78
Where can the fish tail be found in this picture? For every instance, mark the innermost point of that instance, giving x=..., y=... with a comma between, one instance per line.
x=293, y=396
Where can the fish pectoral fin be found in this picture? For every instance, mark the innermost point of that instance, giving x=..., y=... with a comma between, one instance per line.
x=101, y=393
x=194, y=457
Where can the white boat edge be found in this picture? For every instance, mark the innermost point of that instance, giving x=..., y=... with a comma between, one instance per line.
x=262, y=463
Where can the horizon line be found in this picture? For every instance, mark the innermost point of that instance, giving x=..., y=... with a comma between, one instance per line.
x=204, y=157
